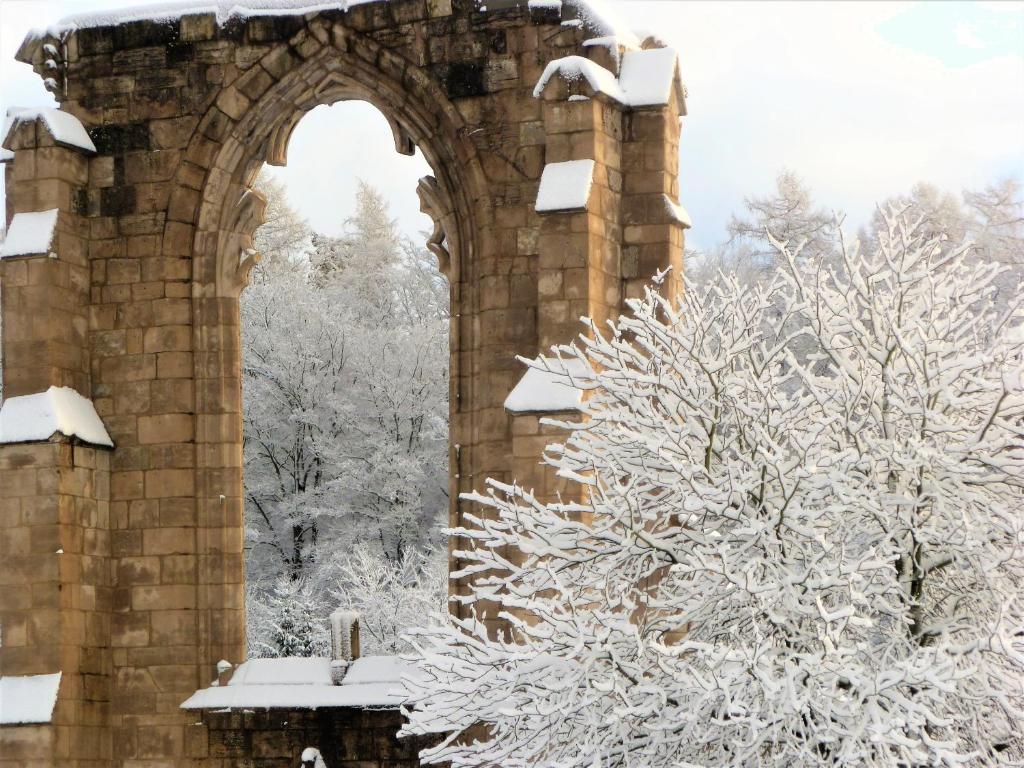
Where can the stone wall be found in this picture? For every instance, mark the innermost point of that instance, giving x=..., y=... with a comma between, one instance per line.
x=347, y=738
x=139, y=311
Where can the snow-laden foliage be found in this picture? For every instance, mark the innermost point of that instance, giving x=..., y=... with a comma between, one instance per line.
x=284, y=237
x=790, y=214
x=345, y=363
x=287, y=620
x=770, y=562
x=346, y=398
x=390, y=596
x=291, y=618
x=990, y=219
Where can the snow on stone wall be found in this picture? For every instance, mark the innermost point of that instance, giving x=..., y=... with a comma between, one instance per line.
x=28, y=699
x=677, y=212
x=597, y=15
x=31, y=234
x=572, y=68
x=542, y=390
x=646, y=78
x=63, y=126
x=565, y=186
x=32, y=418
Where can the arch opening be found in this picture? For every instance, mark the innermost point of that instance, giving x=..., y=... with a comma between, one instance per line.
x=345, y=358
x=230, y=211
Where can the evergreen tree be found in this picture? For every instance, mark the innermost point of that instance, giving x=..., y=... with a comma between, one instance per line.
x=299, y=626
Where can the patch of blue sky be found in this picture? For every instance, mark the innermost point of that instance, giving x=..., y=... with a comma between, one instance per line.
x=959, y=34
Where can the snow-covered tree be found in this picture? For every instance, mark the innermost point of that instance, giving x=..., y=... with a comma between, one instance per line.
x=346, y=422
x=389, y=595
x=990, y=220
x=288, y=620
x=998, y=211
x=940, y=213
x=345, y=405
x=369, y=245
x=769, y=563
x=294, y=355
x=788, y=214
x=284, y=237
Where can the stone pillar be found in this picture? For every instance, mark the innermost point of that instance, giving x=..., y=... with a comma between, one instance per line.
x=46, y=299
x=653, y=223
x=55, y=596
x=579, y=248
x=219, y=522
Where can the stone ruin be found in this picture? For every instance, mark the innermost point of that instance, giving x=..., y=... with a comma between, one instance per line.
x=553, y=139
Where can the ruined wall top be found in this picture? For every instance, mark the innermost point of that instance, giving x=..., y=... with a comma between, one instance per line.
x=593, y=15
x=186, y=30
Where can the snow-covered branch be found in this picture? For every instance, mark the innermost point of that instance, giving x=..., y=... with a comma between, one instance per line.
x=798, y=538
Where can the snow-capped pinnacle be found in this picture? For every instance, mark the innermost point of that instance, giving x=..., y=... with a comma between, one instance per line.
x=647, y=78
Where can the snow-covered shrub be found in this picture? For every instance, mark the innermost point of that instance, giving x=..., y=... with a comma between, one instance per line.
x=390, y=596
x=776, y=559
x=291, y=618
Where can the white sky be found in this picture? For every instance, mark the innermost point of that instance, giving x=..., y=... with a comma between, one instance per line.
x=862, y=99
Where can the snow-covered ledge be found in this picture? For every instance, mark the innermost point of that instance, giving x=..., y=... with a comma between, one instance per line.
x=31, y=234
x=37, y=418
x=591, y=77
x=565, y=186
x=550, y=385
x=28, y=699
x=64, y=127
x=372, y=682
x=677, y=213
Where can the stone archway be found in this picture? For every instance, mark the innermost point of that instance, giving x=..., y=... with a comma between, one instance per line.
x=228, y=212
x=131, y=579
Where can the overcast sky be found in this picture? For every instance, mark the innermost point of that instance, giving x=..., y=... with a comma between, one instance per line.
x=862, y=99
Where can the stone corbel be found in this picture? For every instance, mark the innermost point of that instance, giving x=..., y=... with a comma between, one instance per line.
x=436, y=205
x=48, y=56
x=237, y=253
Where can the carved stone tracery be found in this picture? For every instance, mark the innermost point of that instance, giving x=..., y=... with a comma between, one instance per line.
x=235, y=242
x=435, y=204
